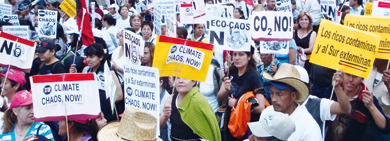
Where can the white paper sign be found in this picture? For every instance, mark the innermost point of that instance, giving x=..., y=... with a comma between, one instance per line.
x=381, y=8
x=274, y=47
x=134, y=47
x=20, y=31
x=47, y=24
x=13, y=19
x=200, y=11
x=171, y=27
x=142, y=89
x=5, y=9
x=283, y=5
x=328, y=8
x=165, y=8
x=230, y=34
x=157, y=21
x=186, y=14
x=109, y=86
x=219, y=11
x=185, y=55
x=272, y=25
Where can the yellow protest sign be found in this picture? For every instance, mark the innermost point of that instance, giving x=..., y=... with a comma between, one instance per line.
x=182, y=58
x=368, y=9
x=345, y=48
x=377, y=25
x=69, y=7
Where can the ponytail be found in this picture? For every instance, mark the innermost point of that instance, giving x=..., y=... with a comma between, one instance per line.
x=9, y=119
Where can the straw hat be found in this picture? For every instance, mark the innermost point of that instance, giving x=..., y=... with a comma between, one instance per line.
x=289, y=75
x=135, y=125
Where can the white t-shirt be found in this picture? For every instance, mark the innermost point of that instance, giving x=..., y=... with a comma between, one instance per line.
x=207, y=89
x=120, y=62
x=122, y=24
x=111, y=38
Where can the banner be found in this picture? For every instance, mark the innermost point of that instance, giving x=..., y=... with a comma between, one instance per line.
x=19, y=31
x=368, y=9
x=5, y=9
x=377, y=25
x=142, y=90
x=16, y=52
x=272, y=25
x=274, y=47
x=380, y=8
x=328, y=9
x=230, y=34
x=345, y=48
x=185, y=52
x=171, y=27
x=134, y=47
x=73, y=95
x=69, y=7
x=47, y=24
x=219, y=11
x=283, y=5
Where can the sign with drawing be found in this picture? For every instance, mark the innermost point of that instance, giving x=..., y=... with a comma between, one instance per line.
x=47, y=24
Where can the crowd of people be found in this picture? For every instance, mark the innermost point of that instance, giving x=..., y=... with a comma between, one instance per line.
x=247, y=95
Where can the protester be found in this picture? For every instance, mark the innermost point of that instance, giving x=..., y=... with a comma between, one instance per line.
x=110, y=33
x=238, y=14
x=245, y=8
x=291, y=56
x=50, y=64
x=13, y=84
x=113, y=11
x=147, y=58
x=270, y=65
x=19, y=120
x=271, y=5
x=124, y=20
x=199, y=34
x=313, y=8
x=321, y=81
x=147, y=31
x=79, y=130
x=101, y=121
x=61, y=41
x=135, y=23
x=118, y=58
x=356, y=7
x=68, y=23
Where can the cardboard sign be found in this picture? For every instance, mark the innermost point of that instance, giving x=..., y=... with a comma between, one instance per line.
x=274, y=47
x=134, y=47
x=230, y=34
x=16, y=52
x=283, y=5
x=69, y=7
x=5, y=9
x=166, y=46
x=272, y=25
x=223, y=1
x=345, y=48
x=20, y=31
x=328, y=9
x=171, y=27
x=368, y=8
x=13, y=19
x=381, y=8
x=47, y=24
x=376, y=25
x=142, y=90
x=60, y=95
x=219, y=11
x=157, y=21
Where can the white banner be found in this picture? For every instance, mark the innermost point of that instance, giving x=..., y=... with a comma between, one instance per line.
x=274, y=47
x=272, y=25
x=381, y=8
x=219, y=11
x=230, y=34
x=53, y=94
x=283, y=5
x=185, y=55
x=134, y=47
x=142, y=90
x=328, y=9
x=5, y=9
x=47, y=24
x=20, y=31
x=171, y=27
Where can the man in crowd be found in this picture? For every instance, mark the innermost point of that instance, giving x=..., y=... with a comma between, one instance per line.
x=113, y=11
x=271, y=5
x=356, y=7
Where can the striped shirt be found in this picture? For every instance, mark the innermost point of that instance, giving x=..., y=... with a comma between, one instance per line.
x=44, y=130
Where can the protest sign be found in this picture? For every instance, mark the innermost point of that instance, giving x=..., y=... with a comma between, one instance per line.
x=157, y=21
x=283, y=5
x=328, y=9
x=380, y=8
x=111, y=85
x=20, y=31
x=171, y=27
x=13, y=19
x=166, y=8
x=376, y=25
x=274, y=47
x=185, y=58
x=60, y=95
x=5, y=9
x=219, y=11
x=186, y=14
x=272, y=25
x=134, y=47
x=368, y=9
x=142, y=90
x=230, y=34
x=345, y=48
x=223, y=1
x=199, y=11
x=47, y=24
x=149, y=4
x=69, y=7
x=16, y=52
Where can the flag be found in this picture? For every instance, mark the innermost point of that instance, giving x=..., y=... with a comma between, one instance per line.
x=85, y=25
x=249, y=2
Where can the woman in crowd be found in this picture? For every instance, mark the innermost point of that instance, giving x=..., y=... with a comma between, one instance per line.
x=305, y=37
x=147, y=31
x=14, y=83
x=19, y=120
x=124, y=20
x=62, y=41
x=79, y=130
x=191, y=116
x=118, y=58
x=135, y=22
x=199, y=34
x=238, y=14
x=50, y=64
x=147, y=59
x=110, y=32
x=242, y=77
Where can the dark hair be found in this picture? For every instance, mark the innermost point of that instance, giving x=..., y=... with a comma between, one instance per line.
x=120, y=9
x=251, y=63
x=13, y=84
x=98, y=24
x=300, y=16
x=133, y=16
x=90, y=127
x=110, y=20
x=132, y=3
x=181, y=33
x=242, y=13
x=94, y=49
x=61, y=34
x=73, y=43
x=56, y=4
x=165, y=84
x=360, y=2
x=150, y=45
x=148, y=23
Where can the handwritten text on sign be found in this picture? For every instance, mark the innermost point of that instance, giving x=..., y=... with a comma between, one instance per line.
x=272, y=25
x=134, y=47
x=186, y=55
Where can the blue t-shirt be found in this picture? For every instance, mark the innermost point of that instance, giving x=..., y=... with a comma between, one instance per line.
x=44, y=130
x=283, y=58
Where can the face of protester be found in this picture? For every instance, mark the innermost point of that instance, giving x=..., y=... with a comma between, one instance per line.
x=101, y=121
x=351, y=82
x=164, y=30
x=304, y=22
x=45, y=56
x=8, y=90
x=24, y=114
x=183, y=85
x=241, y=59
x=120, y=37
x=136, y=23
x=199, y=30
x=146, y=32
x=35, y=21
x=266, y=58
x=237, y=14
x=124, y=12
x=271, y=4
x=93, y=61
x=62, y=128
x=111, y=10
x=147, y=56
x=171, y=81
x=49, y=7
x=282, y=100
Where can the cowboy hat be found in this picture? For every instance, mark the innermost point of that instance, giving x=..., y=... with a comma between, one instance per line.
x=289, y=75
x=134, y=125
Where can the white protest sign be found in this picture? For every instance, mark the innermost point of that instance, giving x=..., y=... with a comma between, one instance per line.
x=185, y=55
x=47, y=24
x=5, y=9
x=157, y=21
x=223, y=1
x=109, y=86
x=166, y=8
x=75, y=93
x=13, y=19
x=171, y=27
x=230, y=34
x=16, y=52
x=200, y=11
x=142, y=90
x=272, y=25
x=186, y=14
x=274, y=47
x=134, y=47
x=20, y=31
x=328, y=8
x=219, y=11
x=283, y=5
x=381, y=8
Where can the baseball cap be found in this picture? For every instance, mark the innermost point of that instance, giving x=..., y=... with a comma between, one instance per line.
x=21, y=98
x=272, y=123
x=15, y=75
x=279, y=85
x=23, y=6
x=45, y=45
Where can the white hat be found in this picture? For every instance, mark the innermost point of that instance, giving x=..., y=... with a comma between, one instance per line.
x=272, y=123
x=97, y=33
x=303, y=73
x=114, y=6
